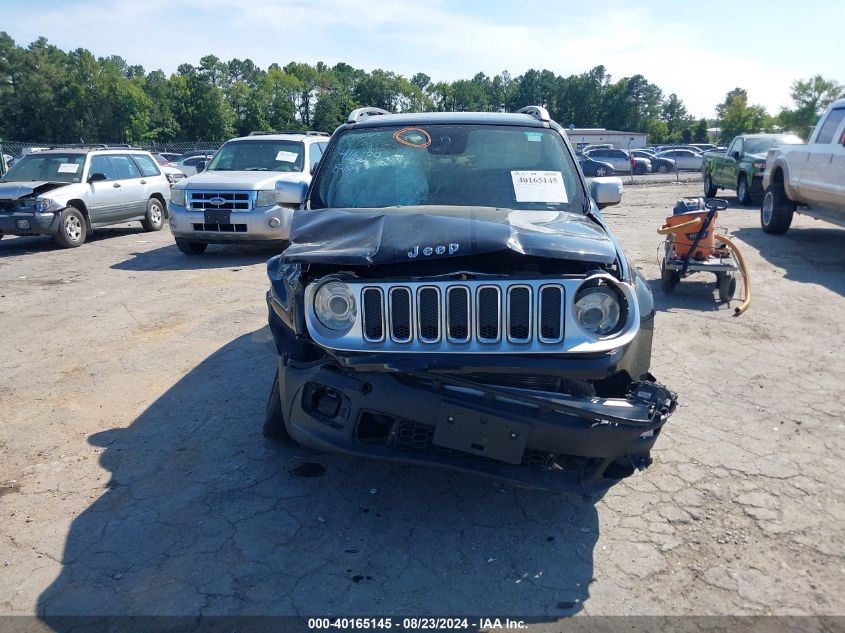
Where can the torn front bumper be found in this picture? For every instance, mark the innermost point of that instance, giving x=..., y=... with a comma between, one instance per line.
x=28, y=223
x=544, y=440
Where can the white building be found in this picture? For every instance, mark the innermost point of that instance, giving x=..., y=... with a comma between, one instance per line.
x=579, y=137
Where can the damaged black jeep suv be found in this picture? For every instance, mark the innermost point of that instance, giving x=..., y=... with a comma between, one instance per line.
x=452, y=295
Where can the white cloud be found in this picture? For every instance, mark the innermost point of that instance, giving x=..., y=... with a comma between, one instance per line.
x=428, y=36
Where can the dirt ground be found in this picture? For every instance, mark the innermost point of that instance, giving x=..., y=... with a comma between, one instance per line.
x=135, y=478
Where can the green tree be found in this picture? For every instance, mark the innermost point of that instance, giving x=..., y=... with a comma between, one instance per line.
x=674, y=113
x=810, y=97
x=740, y=118
x=699, y=133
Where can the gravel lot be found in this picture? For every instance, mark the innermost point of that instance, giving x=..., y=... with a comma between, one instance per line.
x=135, y=478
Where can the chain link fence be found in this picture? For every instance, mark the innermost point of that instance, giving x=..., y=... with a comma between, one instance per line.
x=16, y=149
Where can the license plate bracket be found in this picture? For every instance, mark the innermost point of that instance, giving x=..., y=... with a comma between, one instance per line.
x=217, y=216
x=480, y=433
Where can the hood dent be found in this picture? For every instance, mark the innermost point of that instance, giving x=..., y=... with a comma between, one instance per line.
x=374, y=237
x=18, y=190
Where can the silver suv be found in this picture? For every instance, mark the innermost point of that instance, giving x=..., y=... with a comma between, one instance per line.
x=234, y=198
x=67, y=193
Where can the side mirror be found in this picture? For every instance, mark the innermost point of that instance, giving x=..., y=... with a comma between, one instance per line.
x=735, y=155
x=606, y=192
x=201, y=166
x=98, y=177
x=290, y=193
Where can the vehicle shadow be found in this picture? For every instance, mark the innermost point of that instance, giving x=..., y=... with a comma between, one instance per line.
x=22, y=245
x=217, y=256
x=203, y=517
x=807, y=255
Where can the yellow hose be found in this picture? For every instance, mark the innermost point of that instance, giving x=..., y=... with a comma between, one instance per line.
x=744, y=306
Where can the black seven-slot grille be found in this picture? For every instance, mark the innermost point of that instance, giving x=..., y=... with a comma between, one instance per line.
x=517, y=312
x=219, y=200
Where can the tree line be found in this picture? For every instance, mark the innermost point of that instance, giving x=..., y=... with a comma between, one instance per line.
x=51, y=95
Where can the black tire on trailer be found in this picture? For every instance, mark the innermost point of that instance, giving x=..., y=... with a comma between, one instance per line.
x=190, y=248
x=73, y=228
x=727, y=287
x=777, y=210
x=669, y=279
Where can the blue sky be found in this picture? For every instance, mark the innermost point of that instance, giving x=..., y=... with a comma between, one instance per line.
x=697, y=50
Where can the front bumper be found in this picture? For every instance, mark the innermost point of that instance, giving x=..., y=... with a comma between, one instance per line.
x=539, y=439
x=243, y=226
x=37, y=223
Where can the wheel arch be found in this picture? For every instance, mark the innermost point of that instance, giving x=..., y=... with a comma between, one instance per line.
x=780, y=173
x=83, y=209
x=161, y=199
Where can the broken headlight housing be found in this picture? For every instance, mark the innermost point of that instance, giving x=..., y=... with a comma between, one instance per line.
x=599, y=309
x=45, y=205
x=335, y=307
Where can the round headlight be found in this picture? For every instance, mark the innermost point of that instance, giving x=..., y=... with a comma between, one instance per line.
x=334, y=305
x=598, y=309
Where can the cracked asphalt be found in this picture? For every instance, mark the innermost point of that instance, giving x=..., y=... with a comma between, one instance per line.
x=134, y=478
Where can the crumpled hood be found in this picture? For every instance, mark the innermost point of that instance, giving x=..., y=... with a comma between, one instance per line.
x=16, y=190
x=238, y=180
x=364, y=237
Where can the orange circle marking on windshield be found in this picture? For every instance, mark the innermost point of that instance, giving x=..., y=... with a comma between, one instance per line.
x=420, y=143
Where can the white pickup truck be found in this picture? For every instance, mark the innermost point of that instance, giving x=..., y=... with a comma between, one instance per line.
x=807, y=178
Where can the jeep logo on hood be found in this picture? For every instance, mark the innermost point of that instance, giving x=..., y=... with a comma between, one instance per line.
x=439, y=249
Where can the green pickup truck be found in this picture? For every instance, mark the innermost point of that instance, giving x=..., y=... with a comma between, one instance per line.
x=741, y=166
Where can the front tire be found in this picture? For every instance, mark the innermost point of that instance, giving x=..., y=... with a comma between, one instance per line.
x=710, y=190
x=777, y=210
x=743, y=193
x=601, y=171
x=73, y=229
x=274, y=422
x=155, y=215
x=190, y=248
x=663, y=169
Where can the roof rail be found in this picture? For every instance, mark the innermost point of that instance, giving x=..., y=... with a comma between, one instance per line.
x=305, y=132
x=538, y=112
x=362, y=114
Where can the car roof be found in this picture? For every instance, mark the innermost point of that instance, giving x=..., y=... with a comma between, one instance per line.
x=90, y=150
x=768, y=135
x=279, y=137
x=434, y=118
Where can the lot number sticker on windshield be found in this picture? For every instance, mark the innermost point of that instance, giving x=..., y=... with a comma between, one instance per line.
x=288, y=157
x=68, y=168
x=539, y=186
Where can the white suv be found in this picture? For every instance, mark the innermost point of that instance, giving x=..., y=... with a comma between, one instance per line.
x=234, y=198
